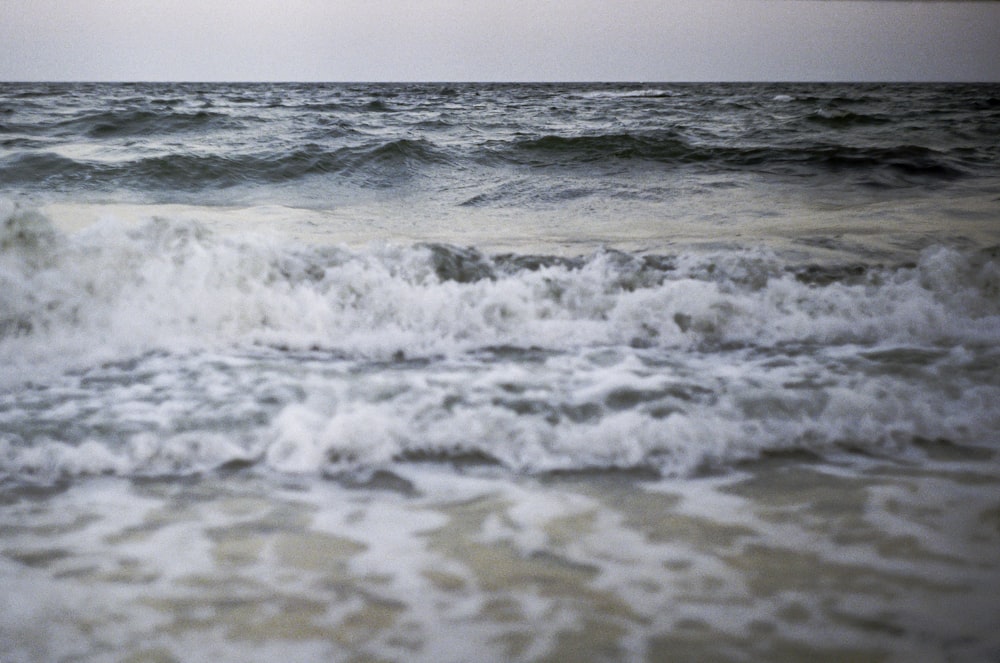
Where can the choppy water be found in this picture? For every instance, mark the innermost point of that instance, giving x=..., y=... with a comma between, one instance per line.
x=518, y=372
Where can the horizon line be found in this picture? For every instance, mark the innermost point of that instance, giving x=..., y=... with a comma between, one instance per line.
x=292, y=81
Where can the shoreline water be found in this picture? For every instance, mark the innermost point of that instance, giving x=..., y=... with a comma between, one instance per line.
x=781, y=560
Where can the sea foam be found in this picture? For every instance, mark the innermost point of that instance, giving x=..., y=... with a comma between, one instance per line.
x=165, y=347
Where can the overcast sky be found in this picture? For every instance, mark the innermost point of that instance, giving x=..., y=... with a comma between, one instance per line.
x=487, y=40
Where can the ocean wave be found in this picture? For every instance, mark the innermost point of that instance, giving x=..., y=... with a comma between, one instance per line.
x=846, y=119
x=165, y=348
x=671, y=148
x=665, y=147
x=644, y=93
x=518, y=410
x=108, y=421
x=170, y=141
x=439, y=296
x=140, y=122
x=381, y=163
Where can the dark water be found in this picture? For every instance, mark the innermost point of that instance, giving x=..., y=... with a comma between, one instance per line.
x=179, y=142
x=499, y=372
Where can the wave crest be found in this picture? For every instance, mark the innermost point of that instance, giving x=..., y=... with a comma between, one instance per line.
x=167, y=281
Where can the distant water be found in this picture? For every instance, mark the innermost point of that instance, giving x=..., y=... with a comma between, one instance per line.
x=499, y=372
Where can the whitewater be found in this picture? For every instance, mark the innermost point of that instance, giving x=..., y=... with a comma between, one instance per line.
x=499, y=372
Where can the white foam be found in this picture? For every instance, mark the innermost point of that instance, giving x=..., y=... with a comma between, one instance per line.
x=164, y=347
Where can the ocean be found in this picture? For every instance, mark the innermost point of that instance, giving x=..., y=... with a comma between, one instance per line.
x=499, y=372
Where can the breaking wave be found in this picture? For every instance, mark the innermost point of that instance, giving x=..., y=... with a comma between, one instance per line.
x=168, y=348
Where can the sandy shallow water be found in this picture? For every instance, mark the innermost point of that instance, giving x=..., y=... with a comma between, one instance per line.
x=781, y=560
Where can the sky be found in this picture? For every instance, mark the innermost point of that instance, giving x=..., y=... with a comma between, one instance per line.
x=499, y=40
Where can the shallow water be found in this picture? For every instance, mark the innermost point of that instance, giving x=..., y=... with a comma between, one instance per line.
x=781, y=559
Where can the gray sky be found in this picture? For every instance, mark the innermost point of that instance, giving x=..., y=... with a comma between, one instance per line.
x=521, y=40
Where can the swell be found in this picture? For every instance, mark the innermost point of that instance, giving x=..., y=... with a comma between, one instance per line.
x=381, y=164
x=672, y=149
x=389, y=163
x=137, y=122
x=556, y=149
x=198, y=137
x=846, y=119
